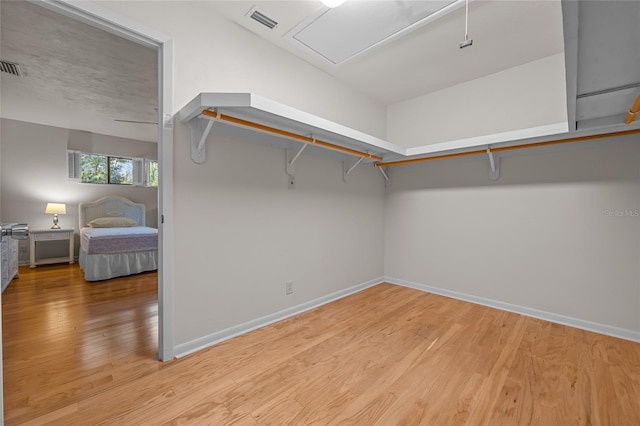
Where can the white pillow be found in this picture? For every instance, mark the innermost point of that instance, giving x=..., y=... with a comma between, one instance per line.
x=112, y=222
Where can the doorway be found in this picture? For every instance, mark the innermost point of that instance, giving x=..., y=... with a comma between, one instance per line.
x=125, y=28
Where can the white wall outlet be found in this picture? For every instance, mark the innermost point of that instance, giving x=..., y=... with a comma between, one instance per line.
x=288, y=287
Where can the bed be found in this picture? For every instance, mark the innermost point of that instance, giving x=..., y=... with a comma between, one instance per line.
x=114, y=240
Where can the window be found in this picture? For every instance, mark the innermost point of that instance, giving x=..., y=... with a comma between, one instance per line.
x=151, y=173
x=94, y=168
x=106, y=169
x=121, y=171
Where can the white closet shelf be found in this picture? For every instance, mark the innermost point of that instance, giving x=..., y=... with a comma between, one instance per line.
x=261, y=114
x=264, y=115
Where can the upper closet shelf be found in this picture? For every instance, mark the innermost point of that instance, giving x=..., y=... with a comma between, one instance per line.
x=289, y=124
x=264, y=115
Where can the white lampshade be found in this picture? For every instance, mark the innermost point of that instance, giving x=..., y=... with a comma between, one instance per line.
x=56, y=208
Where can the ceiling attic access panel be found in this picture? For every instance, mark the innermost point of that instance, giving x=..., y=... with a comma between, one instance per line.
x=340, y=34
x=285, y=124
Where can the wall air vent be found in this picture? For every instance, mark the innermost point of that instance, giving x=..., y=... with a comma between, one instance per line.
x=262, y=18
x=10, y=68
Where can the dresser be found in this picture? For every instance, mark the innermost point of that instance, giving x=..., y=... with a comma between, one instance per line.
x=9, y=260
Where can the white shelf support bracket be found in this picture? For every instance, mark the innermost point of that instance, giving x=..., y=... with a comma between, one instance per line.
x=200, y=128
x=494, y=163
x=291, y=160
x=385, y=174
x=345, y=171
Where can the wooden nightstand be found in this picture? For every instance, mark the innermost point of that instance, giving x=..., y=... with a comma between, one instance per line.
x=43, y=235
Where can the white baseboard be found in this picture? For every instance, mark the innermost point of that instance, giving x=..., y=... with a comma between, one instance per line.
x=548, y=316
x=220, y=336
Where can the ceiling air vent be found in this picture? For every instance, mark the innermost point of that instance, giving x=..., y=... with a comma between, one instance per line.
x=10, y=68
x=262, y=18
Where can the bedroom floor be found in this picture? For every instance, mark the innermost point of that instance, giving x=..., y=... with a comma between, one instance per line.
x=66, y=340
x=77, y=353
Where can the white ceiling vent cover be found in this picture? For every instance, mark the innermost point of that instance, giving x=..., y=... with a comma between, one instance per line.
x=10, y=68
x=340, y=34
x=261, y=17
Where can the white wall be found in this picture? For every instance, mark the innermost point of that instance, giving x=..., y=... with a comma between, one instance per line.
x=242, y=233
x=34, y=172
x=527, y=96
x=239, y=232
x=212, y=54
x=547, y=235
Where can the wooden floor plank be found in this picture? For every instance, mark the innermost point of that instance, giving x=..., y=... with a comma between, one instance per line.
x=80, y=353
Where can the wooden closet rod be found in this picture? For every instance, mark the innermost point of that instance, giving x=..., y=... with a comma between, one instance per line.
x=289, y=135
x=508, y=148
x=633, y=111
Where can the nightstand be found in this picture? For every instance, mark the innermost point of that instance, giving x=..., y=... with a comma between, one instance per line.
x=40, y=236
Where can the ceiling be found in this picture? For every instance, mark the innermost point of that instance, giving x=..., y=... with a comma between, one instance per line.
x=80, y=77
x=505, y=33
x=76, y=76
x=607, y=74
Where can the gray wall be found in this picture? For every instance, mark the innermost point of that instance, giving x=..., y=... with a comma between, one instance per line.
x=242, y=233
x=490, y=105
x=34, y=172
x=559, y=232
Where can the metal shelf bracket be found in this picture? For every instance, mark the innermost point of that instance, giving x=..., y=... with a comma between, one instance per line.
x=291, y=159
x=494, y=163
x=385, y=174
x=345, y=171
x=200, y=128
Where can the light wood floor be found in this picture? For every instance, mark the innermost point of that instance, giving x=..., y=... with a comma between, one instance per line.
x=84, y=354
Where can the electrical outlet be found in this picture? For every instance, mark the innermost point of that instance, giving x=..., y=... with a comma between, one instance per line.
x=288, y=287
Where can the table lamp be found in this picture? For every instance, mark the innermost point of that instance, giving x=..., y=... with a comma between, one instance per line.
x=55, y=209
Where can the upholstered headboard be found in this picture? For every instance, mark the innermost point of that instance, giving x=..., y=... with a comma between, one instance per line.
x=111, y=206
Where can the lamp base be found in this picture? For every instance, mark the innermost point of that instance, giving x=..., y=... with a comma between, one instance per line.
x=55, y=222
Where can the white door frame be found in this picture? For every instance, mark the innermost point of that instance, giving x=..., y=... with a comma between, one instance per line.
x=125, y=27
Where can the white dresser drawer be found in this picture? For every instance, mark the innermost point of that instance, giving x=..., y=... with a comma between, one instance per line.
x=9, y=257
x=49, y=236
